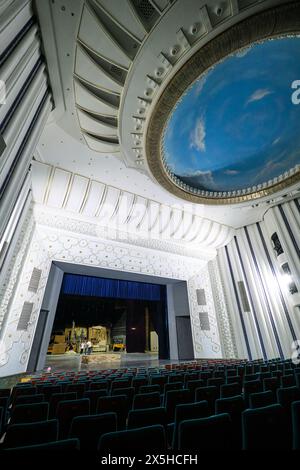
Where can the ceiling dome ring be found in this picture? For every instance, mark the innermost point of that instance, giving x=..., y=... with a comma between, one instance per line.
x=278, y=22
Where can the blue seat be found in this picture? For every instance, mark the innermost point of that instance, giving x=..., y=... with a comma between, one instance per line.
x=230, y=390
x=88, y=429
x=147, y=417
x=66, y=445
x=257, y=400
x=296, y=424
x=115, y=404
x=29, y=413
x=56, y=398
x=174, y=398
x=265, y=429
x=146, y=400
x=234, y=406
x=186, y=411
x=26, y=434
x=147, y=440
x=93, y=396
x=67, y=410
x=205, y=434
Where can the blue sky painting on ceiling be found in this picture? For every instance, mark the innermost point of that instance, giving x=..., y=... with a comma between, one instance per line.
x=236, y=127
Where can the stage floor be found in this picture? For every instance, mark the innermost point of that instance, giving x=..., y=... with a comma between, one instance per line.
x=103, y=361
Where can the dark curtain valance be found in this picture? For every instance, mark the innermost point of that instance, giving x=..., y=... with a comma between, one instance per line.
x=99, y=287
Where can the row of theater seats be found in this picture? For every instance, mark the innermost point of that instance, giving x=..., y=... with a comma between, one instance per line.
x=221, y=407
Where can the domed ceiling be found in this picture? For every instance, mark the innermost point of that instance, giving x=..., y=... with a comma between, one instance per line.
x=236, y=127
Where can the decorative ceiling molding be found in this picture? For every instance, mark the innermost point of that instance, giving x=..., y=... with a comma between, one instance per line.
x=128, y=59
x=274, y=23
x=126, y=212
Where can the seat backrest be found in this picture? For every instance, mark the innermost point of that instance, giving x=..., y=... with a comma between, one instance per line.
x=66, y=445
x=234, y=406
x=257, y=400
x=211, y=433
x=28, y=413
x=286, y=395
x=265, y=428
x=146, y=400
x=58, y=397
x=27, y=399
x=89, y=428
x=149, y=388
x=146, y=440
x=67, y=410
x=230, y=390
x=31, y=433
x=296, y=424
x=147, y=417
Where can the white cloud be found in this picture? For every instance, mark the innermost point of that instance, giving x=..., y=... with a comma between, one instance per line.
x=200, y=84
x=243, y=52
x=204, y=177
x=259, y=95
x=276, y=141
x=197, y=137
x=231, y=172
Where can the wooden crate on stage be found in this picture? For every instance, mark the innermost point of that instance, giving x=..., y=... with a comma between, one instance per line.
x=59, y=348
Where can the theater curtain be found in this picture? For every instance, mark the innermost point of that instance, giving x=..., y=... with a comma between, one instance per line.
x=99, y=287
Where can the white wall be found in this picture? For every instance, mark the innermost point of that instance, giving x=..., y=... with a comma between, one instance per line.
x=273, y=322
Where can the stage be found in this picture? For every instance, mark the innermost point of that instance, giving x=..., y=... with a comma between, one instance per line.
x=107, y=360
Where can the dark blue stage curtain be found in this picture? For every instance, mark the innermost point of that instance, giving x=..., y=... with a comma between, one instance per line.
x=99, y=287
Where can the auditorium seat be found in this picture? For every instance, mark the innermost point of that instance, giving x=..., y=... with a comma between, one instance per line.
x=2, y=420
x=176, y=378
x=129, y=392
x=29, y=413
x=67, y=410
x=205, y=434
x=287, y=381
x=192, y=385
x=120, y=383
x=234, y=379
x=209, y=394
x=172, y=386
x=174, y=398
x=115, y=404
x=78, y=388
x=234, y=406
x=4, y=392
x=296, y=424
x=88, y=429
x=146, y=400
x=147, y=440
x=265, y=428
x=56, y=398
x=230, y=390
x=216, y=382
x=147, y=417
x=19, y=390
x=31, y=433
x=257, y=400
x=286, y=396
x=66, y=445
x=48, y=390
x=93, y=396
x=271, y=384
x=187, y=411
x=150, y=388
x=253, y=386
x=28, y=399
x=137, y=382
x=190, y=376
